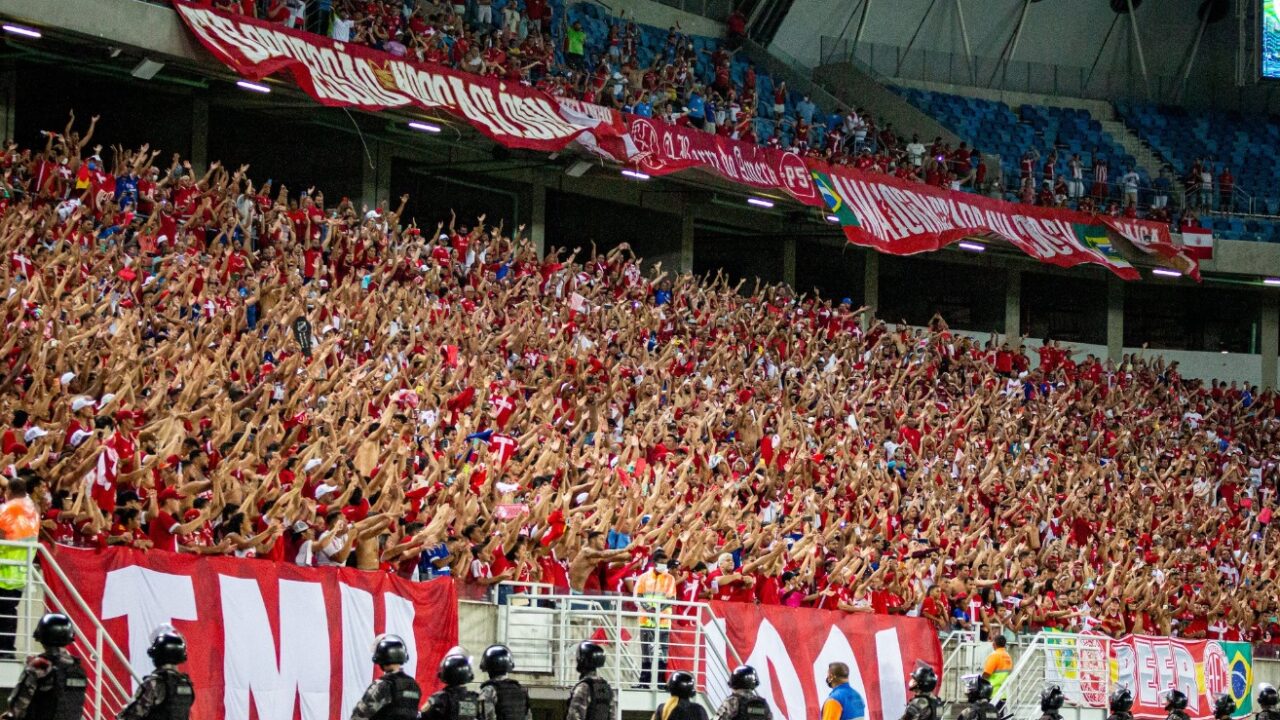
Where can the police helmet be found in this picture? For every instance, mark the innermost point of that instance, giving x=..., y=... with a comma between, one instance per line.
x=54, y=630
x=1223, y=706
x=455, y=670
x=680, y=685
x=1051, y=699
x=1175, y=700
x=744, y=677
x=390, y=650
x=1267, y=695
x=167, y=648
x=590, y=657
x=1121, y=700
x=497, y=660
x=978, y=688
x=923, y=679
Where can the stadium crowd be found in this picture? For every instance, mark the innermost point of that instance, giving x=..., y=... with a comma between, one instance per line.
x=197, y=363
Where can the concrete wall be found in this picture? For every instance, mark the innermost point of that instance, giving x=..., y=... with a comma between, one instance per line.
x=847, y=81
x=659, y=15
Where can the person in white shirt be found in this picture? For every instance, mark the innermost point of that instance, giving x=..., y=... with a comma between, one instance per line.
x=1130, y=182
x=915, y=151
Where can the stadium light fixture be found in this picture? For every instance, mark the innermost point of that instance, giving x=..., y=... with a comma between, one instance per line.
x=425, y=127
x=1165, y=272
x=971, y=246
x=635, y=174
x=759, y=202
x=833, y=219
x=1271, y=281
x=21, y=30
x=253, y=86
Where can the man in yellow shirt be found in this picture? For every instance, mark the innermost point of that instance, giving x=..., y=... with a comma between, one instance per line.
x=19, y=522
x=998, y=665
x=654, y=589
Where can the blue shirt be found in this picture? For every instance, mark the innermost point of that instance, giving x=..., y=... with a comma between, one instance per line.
x=427, y=569
x=851, y=703
x=805, y=110
x=644, y=109
x=617, y=540
x=695, y=106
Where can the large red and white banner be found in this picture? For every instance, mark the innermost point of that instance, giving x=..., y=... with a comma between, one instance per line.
x=790, y=648
x=900, y=217
x=889, y=214
x=347, y=75
x=268, y=641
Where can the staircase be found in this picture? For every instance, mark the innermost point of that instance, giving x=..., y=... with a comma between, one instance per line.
x=1147, y=158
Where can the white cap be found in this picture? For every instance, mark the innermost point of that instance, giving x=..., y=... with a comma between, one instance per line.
x=67, y=377
x=34, y=432
x=325, y=490
x=310, y=465
x=81, y=402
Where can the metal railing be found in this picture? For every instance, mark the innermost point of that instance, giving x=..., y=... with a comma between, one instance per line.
x=111, y=676
x=643, y=641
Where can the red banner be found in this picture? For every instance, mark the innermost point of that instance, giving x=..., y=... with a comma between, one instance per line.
x=347, y=75
x=899, y=217
x=790, y=648
x=663, y=149
x=891, y=215
x=268, y=641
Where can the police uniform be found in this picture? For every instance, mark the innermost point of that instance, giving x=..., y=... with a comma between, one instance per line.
x=1177, y=715
x=980, y=710
x=504, y=699
x=1129, y=716
x=453, y=703
x=591, y=699
x=394, y=696
x=51, y=687
x=680, y=709
x=923, y=707
x=744, y=705
x=1268, y=714
x=166, y=694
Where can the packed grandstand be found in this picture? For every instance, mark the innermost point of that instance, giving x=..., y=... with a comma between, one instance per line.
x=460, y=406
x=325, y=399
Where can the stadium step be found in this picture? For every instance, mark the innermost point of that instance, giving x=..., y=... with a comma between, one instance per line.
x=1148, y=159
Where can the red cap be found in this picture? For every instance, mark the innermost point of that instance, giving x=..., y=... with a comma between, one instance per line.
x=168, y=494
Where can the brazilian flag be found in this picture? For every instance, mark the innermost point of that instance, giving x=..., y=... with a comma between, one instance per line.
x=1240, y=664
x=835, y=204
x=1096, y=238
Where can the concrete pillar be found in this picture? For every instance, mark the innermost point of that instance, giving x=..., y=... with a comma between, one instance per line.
x=370, y=192
x=538, y=216
x=1013, y=307
x=200, y=135
x=8, y=104
x=1115, y=318
x=686, y=240
x=871, y=286
x=789, y=262
x=1270, y=340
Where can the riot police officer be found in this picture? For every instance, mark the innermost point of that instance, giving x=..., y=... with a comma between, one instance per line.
x=502, y=697
x=1051, y=700
x=743, y=703
x=52, y=685
x=978, y=694
x=395, y=695
x=923, y=705
x=592, y=698
x=681, y=705
x=167, y=693
x=1175, y=704
x=1120, y=702
x=1267, y=698
x=455, y=701
x=1223, y=706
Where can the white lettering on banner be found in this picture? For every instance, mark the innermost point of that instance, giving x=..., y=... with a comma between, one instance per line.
x=1184, y=673
x=146, y=599
x=770, y=656
x=357, y=634
x=836, y=649
x=250, y=669
x=893, y=685
x=1148, y=683
x=1165, y=677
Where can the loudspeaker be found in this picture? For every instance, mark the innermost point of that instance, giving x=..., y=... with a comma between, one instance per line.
x=146, y=69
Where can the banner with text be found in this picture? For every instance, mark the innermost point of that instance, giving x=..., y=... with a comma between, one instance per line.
x=267, y=640
x=1089, y=667
x=348, y=75
x=791, y=647
x=903, y=218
